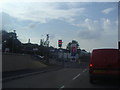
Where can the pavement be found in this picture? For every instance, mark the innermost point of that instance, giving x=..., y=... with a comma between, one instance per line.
x=11, y=75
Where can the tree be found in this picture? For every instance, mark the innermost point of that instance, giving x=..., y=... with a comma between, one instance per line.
x=4, y=39
x=68, y=46
x=9, y=40
x=75, y=42
x=84, y=50
x=41, y=42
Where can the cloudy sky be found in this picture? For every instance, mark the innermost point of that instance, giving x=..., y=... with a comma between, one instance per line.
x=92, y=24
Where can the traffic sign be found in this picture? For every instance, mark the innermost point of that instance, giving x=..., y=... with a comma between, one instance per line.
x=73, y=48
x=60, y=43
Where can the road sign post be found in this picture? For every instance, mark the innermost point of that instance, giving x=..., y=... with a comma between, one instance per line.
x=73, y=50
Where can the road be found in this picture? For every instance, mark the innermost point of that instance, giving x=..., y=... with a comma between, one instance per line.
x=73, y=75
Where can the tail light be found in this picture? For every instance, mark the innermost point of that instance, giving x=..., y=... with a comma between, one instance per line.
x=91, y=65
x=90, y=68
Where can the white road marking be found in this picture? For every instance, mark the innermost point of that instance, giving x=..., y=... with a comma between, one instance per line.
x=61, y=87
x=76, y=76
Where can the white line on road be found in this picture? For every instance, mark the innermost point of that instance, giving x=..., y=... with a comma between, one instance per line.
x=61, y=87
x=76, y=76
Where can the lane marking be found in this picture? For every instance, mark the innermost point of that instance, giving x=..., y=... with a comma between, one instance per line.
x=76, y=76
x=61, y=87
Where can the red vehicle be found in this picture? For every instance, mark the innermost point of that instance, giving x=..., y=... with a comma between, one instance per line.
x=104, y=63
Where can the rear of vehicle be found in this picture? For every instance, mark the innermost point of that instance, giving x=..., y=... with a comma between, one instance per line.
x=104, y=63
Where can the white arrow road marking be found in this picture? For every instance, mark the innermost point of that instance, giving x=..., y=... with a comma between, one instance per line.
x=76, y=76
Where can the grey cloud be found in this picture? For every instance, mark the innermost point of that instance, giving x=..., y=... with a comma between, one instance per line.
x=97, y=30
x=32, y=25
x=107, y=11
x=8, y=22
x=87, y=34
x=91, y=29
x=52, y=36
x=42, y=13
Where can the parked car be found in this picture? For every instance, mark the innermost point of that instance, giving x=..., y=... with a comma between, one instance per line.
x=104, y=63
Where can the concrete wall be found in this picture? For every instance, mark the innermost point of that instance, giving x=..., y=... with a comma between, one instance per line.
x=12, y=62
